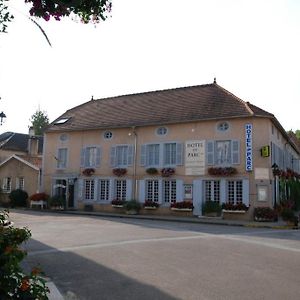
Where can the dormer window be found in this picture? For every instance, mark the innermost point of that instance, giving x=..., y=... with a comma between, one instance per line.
x=161, y=131
x=107, y=135
x=223, y=126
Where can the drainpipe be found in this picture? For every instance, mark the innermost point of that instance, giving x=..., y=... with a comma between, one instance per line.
x=134, y=164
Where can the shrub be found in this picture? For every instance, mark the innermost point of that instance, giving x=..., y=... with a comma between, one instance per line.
x=132, y=205
x=14, y=283
x=152, y=171
x=211, y=207
x=287, y=214
x=39, y=196
x=18, y=198
x=57, y=201
x=265, y=214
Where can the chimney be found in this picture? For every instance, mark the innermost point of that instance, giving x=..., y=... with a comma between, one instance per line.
x=33, y=143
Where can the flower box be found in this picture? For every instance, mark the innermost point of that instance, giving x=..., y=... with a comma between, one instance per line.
x=181, y=209
x=119, y=172
x=150, y=207
x=234, y=211
x=117, y=205
x=227, y=171
x=167, y=172
x=88, y=172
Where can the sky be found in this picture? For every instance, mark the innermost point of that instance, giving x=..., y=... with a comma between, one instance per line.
x=251, y=47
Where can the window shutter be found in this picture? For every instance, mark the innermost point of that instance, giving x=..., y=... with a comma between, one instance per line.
x=82, y=155
x=130, y=155
x=235, y=151
x=197, y=197
x=80, y=188
x=142, y=191
x=223, y=194
x=111, y=189
x=210, y=152
x=98, y=157
x=143, y=155
x=129, y=189
x=113, y=151
x=179, y=154
x=246, y=191
x=179, y=190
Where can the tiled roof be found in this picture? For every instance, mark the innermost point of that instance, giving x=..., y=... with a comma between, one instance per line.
x=195, y=103
x=295, y=140
x=18, y=142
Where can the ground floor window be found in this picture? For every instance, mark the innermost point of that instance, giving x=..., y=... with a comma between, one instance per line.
x=6, y=186
x=20, y=183
x=169, y=191
x=152, y=190
x=104, y=187
x=89, y=189
x=212, y=190
x=235, y=191
x=120, y=189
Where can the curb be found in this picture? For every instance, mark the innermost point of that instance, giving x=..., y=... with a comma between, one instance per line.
x=54, y=292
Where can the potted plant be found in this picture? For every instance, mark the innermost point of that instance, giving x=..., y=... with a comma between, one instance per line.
x=234, y=208
x=119, y=171
x=167, y=172
x=211, y=209
x=88, y=172
x=117, y=203
x=132, y=207
x=149, y=204
x=182, y=206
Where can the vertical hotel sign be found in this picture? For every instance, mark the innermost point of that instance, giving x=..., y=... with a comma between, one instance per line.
x=248, y=139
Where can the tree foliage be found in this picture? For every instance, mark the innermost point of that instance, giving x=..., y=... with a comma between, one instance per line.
x=297, y=132
x=39, y=121
x=92, y=11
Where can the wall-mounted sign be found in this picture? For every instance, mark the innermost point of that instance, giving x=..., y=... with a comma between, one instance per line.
x=265, y=151
x=248, y=139
x=194, y=157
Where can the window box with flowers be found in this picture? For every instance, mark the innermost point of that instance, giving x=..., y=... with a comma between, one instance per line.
x=119, y=171
x=88, y=172
x=150, y=205
x=152, y=171
x=182, y=206
x=239, y=208
x=118, y=203
x=227, y=171
x=167, y=172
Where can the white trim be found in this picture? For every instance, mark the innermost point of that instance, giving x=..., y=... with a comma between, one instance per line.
x=21, y=160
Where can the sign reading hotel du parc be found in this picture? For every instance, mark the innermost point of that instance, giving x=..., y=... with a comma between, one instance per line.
x=248, y=139
x=195, y=157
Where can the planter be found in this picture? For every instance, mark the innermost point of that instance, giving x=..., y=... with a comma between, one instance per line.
x=212, y=214
x=150, y=207
x=234, y=211
x=131, y=212
x=181, y=209
x=116, y=205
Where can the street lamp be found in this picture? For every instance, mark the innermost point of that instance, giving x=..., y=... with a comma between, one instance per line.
x=2, y=116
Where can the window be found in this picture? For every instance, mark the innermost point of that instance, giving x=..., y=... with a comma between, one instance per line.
x=170, y=154
x=169, y=190
x=235, y=191
x=212, y=190
x=161, y=131
x=62, y=158
x=223, y=126
x=63, y=137
x=107, y=135
x=120, y=189
x=6, y=186
x=20, y=183
x=104, y=189
x=223, y=152
x=153, y=155
x=61, y=121
x=90, y=157
x=152, y=190
x=89, y=189
x=121, y=155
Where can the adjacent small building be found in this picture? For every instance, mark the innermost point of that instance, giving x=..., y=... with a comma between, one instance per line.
x=198, y=143
x=20, y=163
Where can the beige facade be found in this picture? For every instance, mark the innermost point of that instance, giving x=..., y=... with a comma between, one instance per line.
x=63, y=169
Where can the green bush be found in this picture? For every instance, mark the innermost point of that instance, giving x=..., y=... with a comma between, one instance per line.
x=287, y=214
x=14, y=283
x=57, y=201
x=132, y=205
x=265, y=214
x=211, y=207
x=18, y=198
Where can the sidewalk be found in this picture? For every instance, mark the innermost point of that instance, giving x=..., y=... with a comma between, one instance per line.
x=200, y=219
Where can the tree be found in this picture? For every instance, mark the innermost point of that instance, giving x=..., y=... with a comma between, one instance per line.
x=39, y=121
x=91, y=11
x=297, y=132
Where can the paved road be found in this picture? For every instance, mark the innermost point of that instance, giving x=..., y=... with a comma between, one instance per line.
x=110, y=258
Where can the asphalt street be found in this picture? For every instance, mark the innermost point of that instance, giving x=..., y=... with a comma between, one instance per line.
x=109, y=258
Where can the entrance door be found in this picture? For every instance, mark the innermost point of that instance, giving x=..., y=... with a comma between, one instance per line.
x=70, y=196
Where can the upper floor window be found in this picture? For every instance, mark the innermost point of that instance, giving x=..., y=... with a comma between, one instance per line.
x=62, y=158
x=164, y=154
x=121, y=155
x=161, y=131
x=107, y=135
x=6, y=185
x=223, y=152
x=90, y=157
x=20, y=183
x=223, y=126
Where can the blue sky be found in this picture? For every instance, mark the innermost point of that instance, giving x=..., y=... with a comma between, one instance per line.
x=251, y=47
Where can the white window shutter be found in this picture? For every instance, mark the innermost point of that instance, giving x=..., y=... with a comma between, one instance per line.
x=210, y=153
x=142, y=190
x=98, y=157
x=197, y=197
x=179, y=154
x=82, y=155
x=130, y=155
x=113, y=150
x=179, y=190
x=235, y=152
x=129, y=195
x=246, y=192
x=143, y=155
